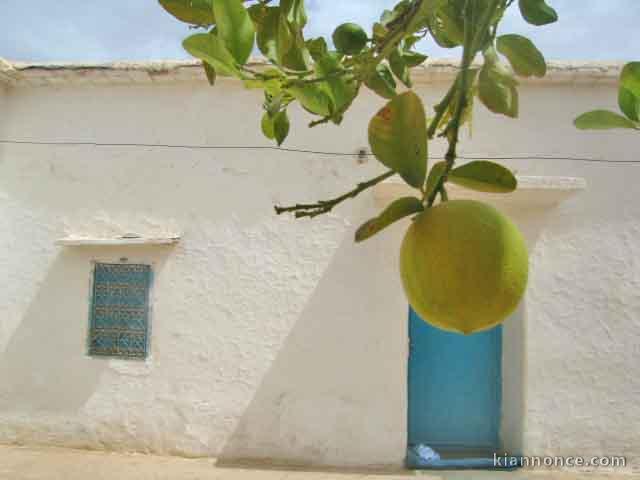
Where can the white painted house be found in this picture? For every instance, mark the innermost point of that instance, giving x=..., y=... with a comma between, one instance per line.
x=276, y=340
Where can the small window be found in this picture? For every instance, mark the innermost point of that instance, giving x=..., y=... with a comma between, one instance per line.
x=119, y=323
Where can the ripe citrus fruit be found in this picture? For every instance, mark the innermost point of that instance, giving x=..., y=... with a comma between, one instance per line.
x=349, y=38
x=464, y=266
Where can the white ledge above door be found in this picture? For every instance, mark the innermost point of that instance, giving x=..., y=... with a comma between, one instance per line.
x=532, y=192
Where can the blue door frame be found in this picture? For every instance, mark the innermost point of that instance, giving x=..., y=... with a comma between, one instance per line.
x=455, y=390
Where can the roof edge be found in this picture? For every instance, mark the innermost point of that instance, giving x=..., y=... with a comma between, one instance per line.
x=23, y=74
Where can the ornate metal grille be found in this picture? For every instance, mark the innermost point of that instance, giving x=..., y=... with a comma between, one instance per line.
x=119, y=323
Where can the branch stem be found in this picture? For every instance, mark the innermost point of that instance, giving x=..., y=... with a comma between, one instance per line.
x=325, y=206
x=472, y=43
x=325, y=78
x=403, y=26
x=441, y=109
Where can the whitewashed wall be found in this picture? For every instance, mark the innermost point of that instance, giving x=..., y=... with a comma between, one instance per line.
x=281, y=340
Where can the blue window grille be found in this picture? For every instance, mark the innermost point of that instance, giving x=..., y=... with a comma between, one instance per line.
x=119, y=319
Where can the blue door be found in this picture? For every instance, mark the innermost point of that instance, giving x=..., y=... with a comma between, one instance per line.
x=454, y=389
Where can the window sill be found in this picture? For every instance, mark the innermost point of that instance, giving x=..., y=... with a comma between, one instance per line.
x=73, y=241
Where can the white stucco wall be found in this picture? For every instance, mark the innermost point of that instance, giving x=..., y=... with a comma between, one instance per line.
x=281, y=340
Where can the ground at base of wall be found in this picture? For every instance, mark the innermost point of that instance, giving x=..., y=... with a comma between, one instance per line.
x=24, y=463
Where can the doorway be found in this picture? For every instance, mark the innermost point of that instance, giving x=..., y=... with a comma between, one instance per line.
x=455, y=395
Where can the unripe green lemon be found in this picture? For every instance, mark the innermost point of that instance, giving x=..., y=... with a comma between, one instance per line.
x=349, y=38
x=464, y=266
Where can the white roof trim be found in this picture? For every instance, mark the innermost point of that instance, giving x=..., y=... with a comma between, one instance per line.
x=23, y=74
x=532, y=192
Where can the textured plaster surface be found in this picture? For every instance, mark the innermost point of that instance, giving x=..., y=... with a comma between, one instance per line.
x=279, y=340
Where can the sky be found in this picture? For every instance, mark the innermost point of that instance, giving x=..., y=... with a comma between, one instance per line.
x=98, y=31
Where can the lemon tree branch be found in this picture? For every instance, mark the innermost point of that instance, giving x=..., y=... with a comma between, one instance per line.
x=472, y=40
x=325, y=206
x=400, y=28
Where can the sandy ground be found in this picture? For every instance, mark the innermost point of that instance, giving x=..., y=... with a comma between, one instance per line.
x=22, y=463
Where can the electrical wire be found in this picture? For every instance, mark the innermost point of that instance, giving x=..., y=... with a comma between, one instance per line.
x=301, y=150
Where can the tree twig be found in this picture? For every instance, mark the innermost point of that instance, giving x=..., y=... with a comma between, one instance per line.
x=325, y=206
x=401, y=27
x=441, y=109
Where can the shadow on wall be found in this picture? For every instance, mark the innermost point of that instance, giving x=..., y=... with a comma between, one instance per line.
x=531, y=223
x=45, y=367
x=335, y=394
x=513, y=371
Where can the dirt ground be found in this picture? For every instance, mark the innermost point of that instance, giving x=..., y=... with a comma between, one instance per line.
x=22, y=463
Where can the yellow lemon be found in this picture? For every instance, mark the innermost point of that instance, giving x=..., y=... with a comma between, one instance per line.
x=464, y=266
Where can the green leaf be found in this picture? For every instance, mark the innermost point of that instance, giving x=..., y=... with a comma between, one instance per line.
x=484, y=176
x=272, y=103
x=210, y=72
x=602, y=120
x=451, y=19
x=440, y=35
x=379, y=32
x=292, y=52
x=209, y=48
x=497, y=88
x=629, y=95
x=281, y=126
x=382, y=82
x=398, y=137
x=537, y=12
x=267, y=126
x=432, y=18
x=278, y=39
x=629, y=104
x=275, y=127
x=267, y=25
x=434, y=177
x=273, y=86
x=399, y=209
x=399, y=67
x=523, y=55
x=317, y=48
x=254, y=84
x=294, y=11
x=410, y=42
x=194, y=12
x=313, y=98
x=413, y=59
x=400, y=9
x=235, y=28
x=341, y=91
x=386, y=17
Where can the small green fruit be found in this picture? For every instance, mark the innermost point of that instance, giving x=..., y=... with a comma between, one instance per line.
x=350, y=38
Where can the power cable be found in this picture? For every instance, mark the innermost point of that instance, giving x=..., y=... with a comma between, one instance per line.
x=300, y=150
